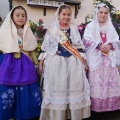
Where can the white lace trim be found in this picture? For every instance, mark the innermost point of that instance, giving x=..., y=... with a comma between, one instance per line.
x=65, y=95
x=42, y=55
x=78, y=105
x=50, y=43
x=64, y=100
x=93, y=55
x=115, y=56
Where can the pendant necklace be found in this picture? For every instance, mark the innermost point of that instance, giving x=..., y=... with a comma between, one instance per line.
x=20, y=36
x=64, y=26
x=103, y=35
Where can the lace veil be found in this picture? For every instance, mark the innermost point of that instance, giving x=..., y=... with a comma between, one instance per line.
x=111, y=33
x=53, y=36
x=92, y=37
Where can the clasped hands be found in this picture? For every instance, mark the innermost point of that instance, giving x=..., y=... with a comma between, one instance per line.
x=105, y=48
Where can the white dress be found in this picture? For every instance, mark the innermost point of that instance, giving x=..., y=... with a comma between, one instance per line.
x=66, y=87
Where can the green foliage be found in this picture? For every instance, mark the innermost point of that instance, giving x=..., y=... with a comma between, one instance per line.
x=39, y=31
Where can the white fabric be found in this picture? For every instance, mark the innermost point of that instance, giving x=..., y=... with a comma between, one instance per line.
x=65, y=83
x=42, y=56
x=9, y=38
x=92, y=39
x=50, y=43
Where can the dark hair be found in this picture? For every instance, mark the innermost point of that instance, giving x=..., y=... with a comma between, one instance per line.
x=63, y=7
x=19, y=7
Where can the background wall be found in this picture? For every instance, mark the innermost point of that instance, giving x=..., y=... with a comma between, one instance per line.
x=4, y=8
x=36, y=13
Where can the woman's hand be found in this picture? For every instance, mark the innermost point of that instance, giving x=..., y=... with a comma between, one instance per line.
x=105, y=48
x=86, y=66
x=109, y=47
x=41, y=62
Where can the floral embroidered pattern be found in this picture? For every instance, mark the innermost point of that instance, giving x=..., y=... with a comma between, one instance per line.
x=105, y=81
x=21, y=88
x=8, y=98
x=37, y=96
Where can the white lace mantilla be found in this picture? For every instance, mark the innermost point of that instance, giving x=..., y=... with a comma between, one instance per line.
x=92, y=40
x=51, y=40
x=92, y=36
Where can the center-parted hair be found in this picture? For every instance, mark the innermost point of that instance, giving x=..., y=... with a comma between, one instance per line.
x=63, y=7
x=19, y=7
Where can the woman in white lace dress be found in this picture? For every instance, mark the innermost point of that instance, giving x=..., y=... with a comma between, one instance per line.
x=66, y=88
x=102, y=49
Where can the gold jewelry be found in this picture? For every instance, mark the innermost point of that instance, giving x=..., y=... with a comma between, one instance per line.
x=17, y=55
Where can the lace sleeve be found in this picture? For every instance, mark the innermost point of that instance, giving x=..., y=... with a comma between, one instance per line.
x=75, y=37
x=89, y=40
x=49, y=44
x=42, y=56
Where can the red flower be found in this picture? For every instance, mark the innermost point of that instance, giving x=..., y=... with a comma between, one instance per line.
x=40, y=20
x=40, y=28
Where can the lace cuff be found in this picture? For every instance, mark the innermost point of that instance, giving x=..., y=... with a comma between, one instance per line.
x=43, y=55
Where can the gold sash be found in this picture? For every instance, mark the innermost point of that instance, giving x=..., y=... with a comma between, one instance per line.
x=66, y=44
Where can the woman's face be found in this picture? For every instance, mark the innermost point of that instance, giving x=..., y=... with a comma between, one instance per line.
x=19, y=17
x=102, y=14
x=65, y=16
